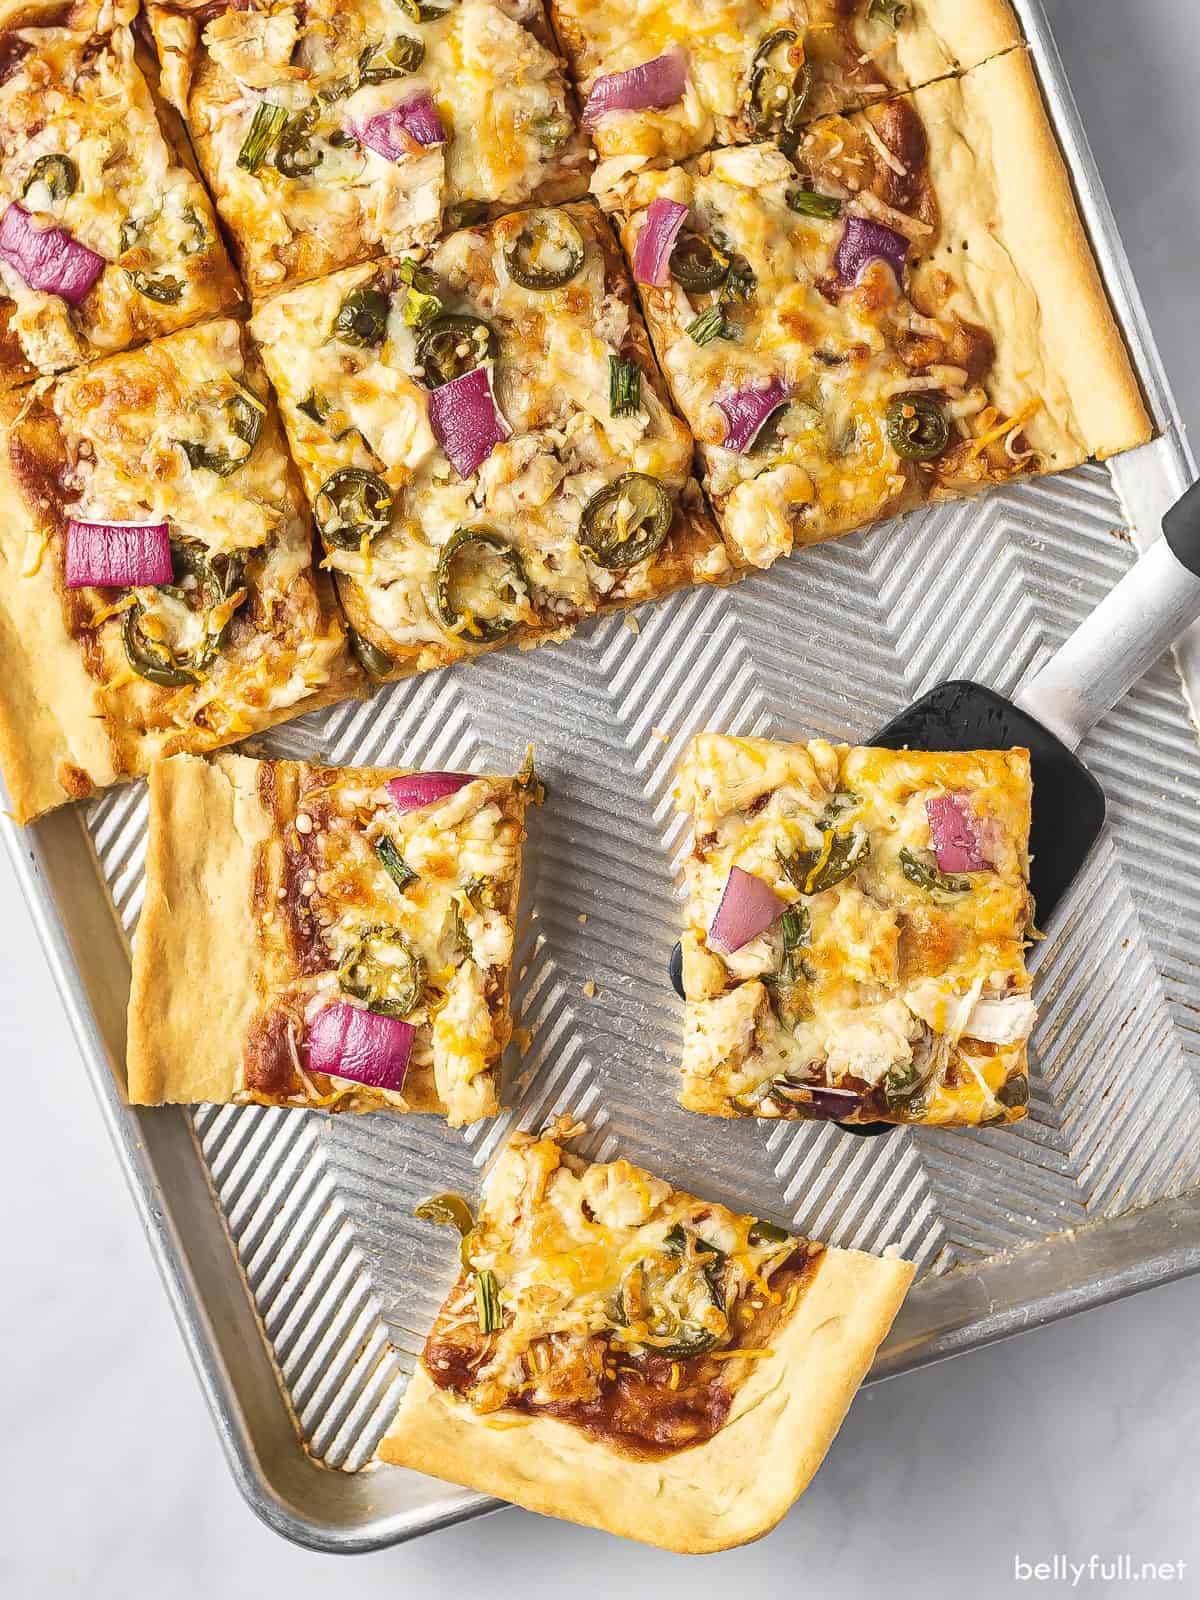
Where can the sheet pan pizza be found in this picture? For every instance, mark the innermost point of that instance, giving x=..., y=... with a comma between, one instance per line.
x=326, y=937
x=157, y=585
x=634, y=1358
x=332, y=130
x=485, y=440
x=905, y=310
x=856, y=929
x=107, y=236
x=663, y=81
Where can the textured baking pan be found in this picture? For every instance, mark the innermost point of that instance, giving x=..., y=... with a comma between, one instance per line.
x=286, y=1240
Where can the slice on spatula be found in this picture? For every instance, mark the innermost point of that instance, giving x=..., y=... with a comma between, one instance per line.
x=1127, y=633
x=857, y=917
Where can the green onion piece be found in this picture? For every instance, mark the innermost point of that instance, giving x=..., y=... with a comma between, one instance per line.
x=394, y=864
x=421, y=303
x=528, y=781
x=487, y=1302
x=268, y=123
x=624, y=387
x=762, y=1232
x=449, y=1210
x=929, y=877
x=740, y=282
x=888, y=11
x=808, y=203
x=710, y=325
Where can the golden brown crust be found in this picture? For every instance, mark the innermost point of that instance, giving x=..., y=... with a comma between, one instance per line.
x=1011, y=236
x=224, y=942
x=195, y=974
x=725, y=1492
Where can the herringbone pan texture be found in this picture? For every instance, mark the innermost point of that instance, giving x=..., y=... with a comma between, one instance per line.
x=832, y=642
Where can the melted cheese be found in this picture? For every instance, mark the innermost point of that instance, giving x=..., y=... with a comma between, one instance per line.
x=497, y=89
x=552, y=386
x=891, y=974
x=133, y=202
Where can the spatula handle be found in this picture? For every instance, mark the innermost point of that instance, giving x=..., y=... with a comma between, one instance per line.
x=1126, y=634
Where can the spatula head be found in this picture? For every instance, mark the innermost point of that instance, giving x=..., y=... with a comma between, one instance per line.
x=1068, y=803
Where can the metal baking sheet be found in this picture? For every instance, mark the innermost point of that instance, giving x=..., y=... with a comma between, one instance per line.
x=286, y=1240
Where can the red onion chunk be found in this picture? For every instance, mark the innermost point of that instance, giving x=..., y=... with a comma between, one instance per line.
x=748, y=907
x=863, y=242
x=391, y=133
x=48, y=258
x=831, y=1103
x=652, y=252
x=117, y=555
x=347, y=1042
x=416, y=789
x=746, y=412
x=650, y=86
x=466, y=420
x=956, y=834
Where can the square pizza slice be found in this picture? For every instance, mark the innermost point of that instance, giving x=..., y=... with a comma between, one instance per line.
x=631, y=1357
x=323, y=936
x=665, y=80
x=333, y=130
x=107, y=238
x=856, y=930
x=907, y=310
x=485, y=440
x=157, y=590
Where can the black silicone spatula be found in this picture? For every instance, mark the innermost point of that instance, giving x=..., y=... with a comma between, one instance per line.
x=1145, y=614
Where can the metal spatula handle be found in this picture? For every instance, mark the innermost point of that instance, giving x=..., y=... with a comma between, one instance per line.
x=1126, y=634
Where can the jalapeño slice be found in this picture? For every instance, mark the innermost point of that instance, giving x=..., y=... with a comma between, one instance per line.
x=382, y=969
x=917, y=427
x=352, y=505
x=778, y=90
x=546, y=253
x=453, y=345
x=697, y=264
x=362, y=317
x=676, y=1295
x=626, y=521
x=496, y=567
x=58, y=173
x=203, y=583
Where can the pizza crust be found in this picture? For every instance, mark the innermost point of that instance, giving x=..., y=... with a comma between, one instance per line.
x=1013, y=240
x=731, y=1489
x=944, y=36
x=195, y=979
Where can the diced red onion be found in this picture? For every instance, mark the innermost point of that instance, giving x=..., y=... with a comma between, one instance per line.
x=48, y=258
x=748, y=907
x=466, y=420
x=864, y=241
x=348, y=1042
x=832, y=1103
x=389, y=132
x=117, y=555
x=416, y=789
x=955, y=832
x=746, y=412
x=650, y=86
x=652, y=252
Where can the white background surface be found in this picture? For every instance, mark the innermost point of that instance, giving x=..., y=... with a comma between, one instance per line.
x=1076, y=1439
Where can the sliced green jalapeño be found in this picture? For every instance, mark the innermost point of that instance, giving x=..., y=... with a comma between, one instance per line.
x=480, y=557
x=697, y=264
x=243, y=412
x=352, y=505
x=917, y=427
x=546, y=253
x=202, y=582
x=778, y=90
x=58, y=173
x=453, y=345
x=362, y=317
x=626, y=521
x=382, y=969
x=673, y=1294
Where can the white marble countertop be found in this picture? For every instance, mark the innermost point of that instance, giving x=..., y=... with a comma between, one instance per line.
x=1075, y=1440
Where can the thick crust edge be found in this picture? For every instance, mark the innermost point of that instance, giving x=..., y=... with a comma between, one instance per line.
x=723, y=1493
x=1026, y=263
x=194, y=991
